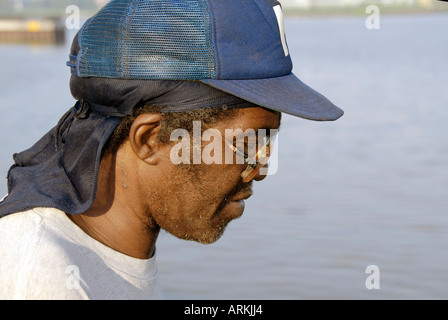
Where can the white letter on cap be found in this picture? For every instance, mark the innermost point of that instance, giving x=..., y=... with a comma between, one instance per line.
x=279, y=13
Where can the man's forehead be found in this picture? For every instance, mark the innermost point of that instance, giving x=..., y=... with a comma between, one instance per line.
x=253, y=118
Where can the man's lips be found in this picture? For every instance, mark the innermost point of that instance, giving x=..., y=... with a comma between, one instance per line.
x=242, y=195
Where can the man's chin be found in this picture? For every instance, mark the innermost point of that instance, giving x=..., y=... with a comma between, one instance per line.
x=212, y=228
x=231, y=211
x=213, y=232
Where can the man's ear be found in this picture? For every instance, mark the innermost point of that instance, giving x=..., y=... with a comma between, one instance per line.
x=143, y=136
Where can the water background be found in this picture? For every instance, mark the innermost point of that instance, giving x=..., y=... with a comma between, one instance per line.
x=368, y=189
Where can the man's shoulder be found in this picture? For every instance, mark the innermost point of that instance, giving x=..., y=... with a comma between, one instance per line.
x=24, y=234
x=31, y=253
x=26, y=228
x=19, y=228
x=44, y=255
x=30, y=217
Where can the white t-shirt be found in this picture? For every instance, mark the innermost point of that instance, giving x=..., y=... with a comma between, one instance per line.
x=44, y=255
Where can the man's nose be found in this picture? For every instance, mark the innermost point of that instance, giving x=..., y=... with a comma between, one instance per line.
x=262, y=172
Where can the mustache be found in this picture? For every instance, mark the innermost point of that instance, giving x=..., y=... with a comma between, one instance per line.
x=241, y=186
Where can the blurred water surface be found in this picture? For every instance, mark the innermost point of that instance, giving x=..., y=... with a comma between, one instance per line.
x=368, y=189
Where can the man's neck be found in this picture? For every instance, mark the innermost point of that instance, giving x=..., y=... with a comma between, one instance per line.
x=113, y=219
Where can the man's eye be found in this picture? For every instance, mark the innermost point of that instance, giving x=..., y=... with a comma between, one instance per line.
x=248, y=145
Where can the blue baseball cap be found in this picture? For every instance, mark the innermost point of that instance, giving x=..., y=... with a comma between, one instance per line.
x=236, y=46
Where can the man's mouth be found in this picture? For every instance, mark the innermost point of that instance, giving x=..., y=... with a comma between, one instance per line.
x=242, y=195
x=241, y=192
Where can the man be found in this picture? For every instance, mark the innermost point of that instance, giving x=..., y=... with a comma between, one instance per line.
x=87, y=201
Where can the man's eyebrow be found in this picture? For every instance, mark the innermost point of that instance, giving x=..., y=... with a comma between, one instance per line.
x=252, y=134
x=239, y=134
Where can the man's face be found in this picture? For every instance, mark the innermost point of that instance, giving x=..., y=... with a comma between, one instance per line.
x=197, y=201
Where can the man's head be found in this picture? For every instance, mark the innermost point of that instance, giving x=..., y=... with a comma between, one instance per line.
x=190, y=58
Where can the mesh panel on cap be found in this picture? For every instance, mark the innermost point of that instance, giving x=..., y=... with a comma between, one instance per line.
x=157, y=39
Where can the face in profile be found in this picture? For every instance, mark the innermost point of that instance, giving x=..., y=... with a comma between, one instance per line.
x=197, y=201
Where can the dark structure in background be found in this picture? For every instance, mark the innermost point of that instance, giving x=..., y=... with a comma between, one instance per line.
x=46, y=31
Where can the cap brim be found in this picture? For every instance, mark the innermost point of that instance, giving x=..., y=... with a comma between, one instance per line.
x=285, y=94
